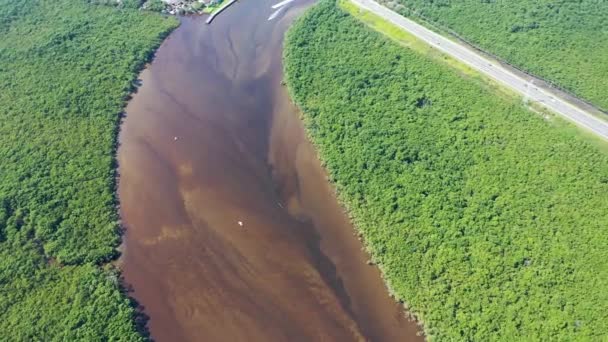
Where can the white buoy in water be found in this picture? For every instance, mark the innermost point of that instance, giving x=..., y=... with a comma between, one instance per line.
x=240, y=223
x=174, y=138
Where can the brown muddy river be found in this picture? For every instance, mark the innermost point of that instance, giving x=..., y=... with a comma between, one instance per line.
x=211, y=139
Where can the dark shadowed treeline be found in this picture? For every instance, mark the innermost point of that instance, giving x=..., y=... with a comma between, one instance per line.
x=487, y=219
x=66, y=69
x=565, y=42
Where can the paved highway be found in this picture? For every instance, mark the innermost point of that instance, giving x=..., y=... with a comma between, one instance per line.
x=491, y=68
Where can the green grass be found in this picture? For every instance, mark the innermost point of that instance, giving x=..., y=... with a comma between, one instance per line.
x=489, y=221
x=410, y=41
x=66, y=69
x=213, y=8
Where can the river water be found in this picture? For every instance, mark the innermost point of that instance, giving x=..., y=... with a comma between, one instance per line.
x=233, y=233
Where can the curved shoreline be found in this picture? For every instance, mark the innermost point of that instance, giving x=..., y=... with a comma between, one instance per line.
x=141, y=319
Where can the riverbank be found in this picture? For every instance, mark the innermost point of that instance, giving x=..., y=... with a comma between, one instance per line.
x=455, y=190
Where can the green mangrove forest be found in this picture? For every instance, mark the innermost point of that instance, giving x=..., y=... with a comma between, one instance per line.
x=66, y=69
x=488, y=220
x=564, y=42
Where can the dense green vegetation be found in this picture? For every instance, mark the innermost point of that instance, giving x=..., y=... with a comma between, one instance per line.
x=155, y=5
x=132, y=4
x=565, y=42
x=488, y=220
x=66, y=69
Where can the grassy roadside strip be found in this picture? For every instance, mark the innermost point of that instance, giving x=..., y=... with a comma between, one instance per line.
x=410, y=41
x=403, y=37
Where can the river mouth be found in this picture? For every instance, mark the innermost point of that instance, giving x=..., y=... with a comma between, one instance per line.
x=232, y=231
